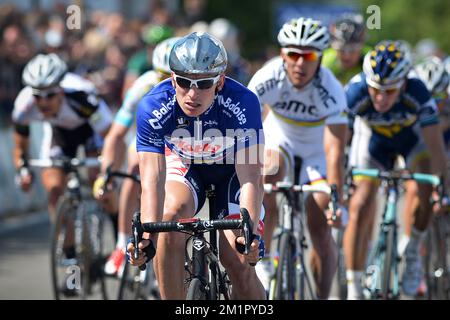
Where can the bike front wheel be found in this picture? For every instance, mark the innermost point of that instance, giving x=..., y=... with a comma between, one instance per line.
x=285, y=273
x=196, y=290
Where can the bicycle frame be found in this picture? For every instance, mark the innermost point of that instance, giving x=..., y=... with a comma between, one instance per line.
x=292, y=224
x=384, y=258
x=377, y=257
x=87, y=248
x=204, y=253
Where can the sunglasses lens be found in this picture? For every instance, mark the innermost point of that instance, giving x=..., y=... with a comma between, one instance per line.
x=311, y=56
x=200, y=84
x=44, y=96
x=205, y=84
x=184, y=83
x=293, y=55
x=307, y=56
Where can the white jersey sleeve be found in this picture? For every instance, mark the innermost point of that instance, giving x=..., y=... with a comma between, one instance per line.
x=265, y=79
x=25, y=110
x=102, y=118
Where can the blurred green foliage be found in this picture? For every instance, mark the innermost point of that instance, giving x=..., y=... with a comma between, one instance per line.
x=410, y=20
x=252, y=17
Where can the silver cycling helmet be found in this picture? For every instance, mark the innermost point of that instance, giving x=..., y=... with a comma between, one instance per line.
x=304, y=32
x=43, y=71
x=432, y=72
x=161, y=55
x=198, y=53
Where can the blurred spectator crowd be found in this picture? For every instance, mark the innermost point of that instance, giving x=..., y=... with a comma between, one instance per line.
x=109, y=49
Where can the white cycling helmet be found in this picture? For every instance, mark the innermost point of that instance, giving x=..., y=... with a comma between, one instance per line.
x=198, y=53
x=161, y=55
x=432, y=72
x=304, y=32
x=387, y=65
x=43, y=71
x=226, y=32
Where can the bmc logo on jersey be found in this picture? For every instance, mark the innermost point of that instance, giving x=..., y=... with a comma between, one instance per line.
x=296, y=107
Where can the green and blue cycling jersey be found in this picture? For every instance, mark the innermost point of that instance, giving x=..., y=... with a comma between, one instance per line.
x=142, y=85
x=396, y=131
x=331, y=61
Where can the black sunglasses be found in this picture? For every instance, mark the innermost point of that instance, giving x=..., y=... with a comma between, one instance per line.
x=44, y=94
x=202, y=84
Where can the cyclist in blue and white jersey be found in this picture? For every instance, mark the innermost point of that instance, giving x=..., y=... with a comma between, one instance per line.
x=304, y=117
x=196, y=129
x=394, y=115
x=113, y=150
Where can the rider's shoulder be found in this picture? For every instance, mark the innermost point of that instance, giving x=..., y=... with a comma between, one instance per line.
x=150, y=77
x=73, y=82
x=357, y=82
x=162, y=94
x=272, y=68
x=356, y=89
x=23, y=104
x=416, y=88
x=238, y=92
x=328, y=79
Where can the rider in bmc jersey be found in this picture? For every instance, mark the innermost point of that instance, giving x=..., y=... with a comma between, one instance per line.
x=305, y=116
x=196, y=129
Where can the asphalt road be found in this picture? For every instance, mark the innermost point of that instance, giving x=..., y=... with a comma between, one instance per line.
x=25, y=259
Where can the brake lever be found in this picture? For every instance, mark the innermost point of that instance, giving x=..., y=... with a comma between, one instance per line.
x=247, y=227
x=334, y=201
x=137, y=235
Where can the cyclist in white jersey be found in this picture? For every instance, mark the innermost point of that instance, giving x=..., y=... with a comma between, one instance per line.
x=72, y=115
x=112, y=153
x=304, y=117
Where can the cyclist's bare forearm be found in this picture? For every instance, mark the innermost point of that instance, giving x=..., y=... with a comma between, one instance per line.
x=21, y=144
x=152, y=168
x=435, y=144
x=252, y=188
x=114, y=148
x=335, y=138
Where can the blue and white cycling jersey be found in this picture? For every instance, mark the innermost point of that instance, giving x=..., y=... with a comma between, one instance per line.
x=231, y=123
x=381, y=136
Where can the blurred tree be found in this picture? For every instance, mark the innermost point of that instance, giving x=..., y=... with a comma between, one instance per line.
x=253, y=19
x=411, y=20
